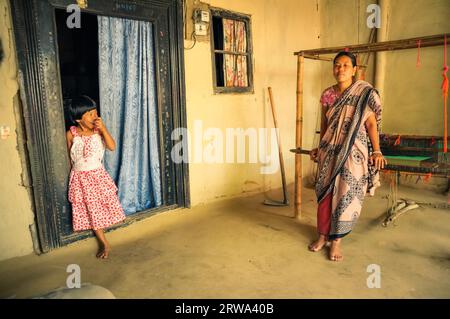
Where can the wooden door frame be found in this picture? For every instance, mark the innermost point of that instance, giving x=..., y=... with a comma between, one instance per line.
x=41, y=99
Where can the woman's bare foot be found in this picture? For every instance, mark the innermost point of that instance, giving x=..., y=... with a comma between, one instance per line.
x=335, y=250
x=318, y=244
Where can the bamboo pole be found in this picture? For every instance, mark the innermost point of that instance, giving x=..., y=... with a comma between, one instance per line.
x=433, y=40
x=298, y=137
x=317, y=57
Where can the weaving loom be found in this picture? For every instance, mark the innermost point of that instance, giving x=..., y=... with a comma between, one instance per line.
x=420, y=155
x=417, y=154
x=434, y=150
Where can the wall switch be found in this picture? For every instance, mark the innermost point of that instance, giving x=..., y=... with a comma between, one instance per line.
x=200, y=29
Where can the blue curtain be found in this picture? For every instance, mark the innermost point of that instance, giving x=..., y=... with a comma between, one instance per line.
x=129, y=110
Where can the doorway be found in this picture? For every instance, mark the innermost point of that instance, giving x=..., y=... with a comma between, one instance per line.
x=54, y=68
x=111, y=60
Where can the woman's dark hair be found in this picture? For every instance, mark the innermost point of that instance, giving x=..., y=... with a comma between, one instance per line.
x=348, y=54
x=80, y=105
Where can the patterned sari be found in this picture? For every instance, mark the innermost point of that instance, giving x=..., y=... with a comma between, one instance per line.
x=344, y=171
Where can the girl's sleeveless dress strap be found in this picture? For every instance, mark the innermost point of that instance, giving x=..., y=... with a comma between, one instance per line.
x=73, y=130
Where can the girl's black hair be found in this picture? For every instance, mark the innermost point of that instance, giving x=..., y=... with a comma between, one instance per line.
x=80, y=105
x=348, y=54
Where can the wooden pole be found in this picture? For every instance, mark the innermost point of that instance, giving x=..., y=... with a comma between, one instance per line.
x=428, y=41
x=316, y=57
x=298, y=137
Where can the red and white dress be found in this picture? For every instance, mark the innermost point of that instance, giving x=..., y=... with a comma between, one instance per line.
x=92, y=192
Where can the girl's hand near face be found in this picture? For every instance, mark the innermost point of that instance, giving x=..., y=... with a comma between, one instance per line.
x=108, y=139
x=99, y=125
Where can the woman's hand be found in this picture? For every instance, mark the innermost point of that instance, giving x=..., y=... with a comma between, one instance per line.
x=314, y=154
x=377, y=160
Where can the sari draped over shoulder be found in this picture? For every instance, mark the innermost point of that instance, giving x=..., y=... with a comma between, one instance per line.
x=344, y=171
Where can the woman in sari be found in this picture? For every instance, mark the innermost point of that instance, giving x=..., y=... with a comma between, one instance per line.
x=348, y=155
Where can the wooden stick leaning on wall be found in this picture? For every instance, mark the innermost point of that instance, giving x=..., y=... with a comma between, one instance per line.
x=298, y=137
x=280, y=152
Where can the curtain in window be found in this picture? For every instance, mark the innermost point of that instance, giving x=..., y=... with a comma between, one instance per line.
x=129, y=110
x=235, y=65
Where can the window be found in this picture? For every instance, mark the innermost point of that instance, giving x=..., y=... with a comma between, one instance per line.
x=231, y=52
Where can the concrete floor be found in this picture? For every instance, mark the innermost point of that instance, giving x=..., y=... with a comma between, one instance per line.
x=241, y=249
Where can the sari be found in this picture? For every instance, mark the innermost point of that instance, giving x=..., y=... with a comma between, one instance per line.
x=343, y=158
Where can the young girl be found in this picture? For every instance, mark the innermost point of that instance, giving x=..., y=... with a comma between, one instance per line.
x=92, y=191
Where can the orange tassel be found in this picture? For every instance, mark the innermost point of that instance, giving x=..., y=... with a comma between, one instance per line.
x=427, y=177
x=445, y=123
x=397, y=141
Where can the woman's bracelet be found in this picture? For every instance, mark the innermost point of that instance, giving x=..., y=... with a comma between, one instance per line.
x=377, y=152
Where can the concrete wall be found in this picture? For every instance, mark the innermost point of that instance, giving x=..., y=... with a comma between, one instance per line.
x=278, y=29
x=344, y=23
x=15, y=207
x=413, y=101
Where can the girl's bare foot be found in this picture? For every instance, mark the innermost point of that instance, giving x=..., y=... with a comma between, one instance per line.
x=335, y=250
x=103, y=252
x=318, y=244
x=105, y=248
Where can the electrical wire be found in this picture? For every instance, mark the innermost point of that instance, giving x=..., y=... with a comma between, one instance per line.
x=195, y=41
